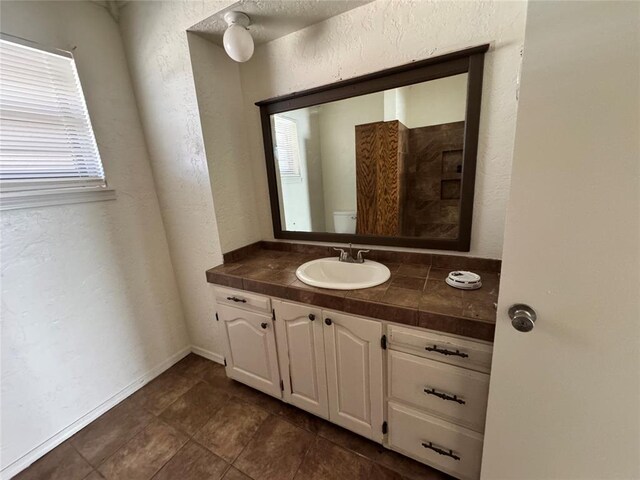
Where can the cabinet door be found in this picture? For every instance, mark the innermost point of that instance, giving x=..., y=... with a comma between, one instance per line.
x=301, y=356
x=250, y=345
x=354, y=373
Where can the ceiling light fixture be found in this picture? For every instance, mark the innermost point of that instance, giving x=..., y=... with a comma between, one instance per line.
x=237, y=40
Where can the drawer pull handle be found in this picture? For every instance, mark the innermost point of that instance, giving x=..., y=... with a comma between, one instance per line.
x=236, y=299
x=444, y=351
x=444, y=396
x=440, y=451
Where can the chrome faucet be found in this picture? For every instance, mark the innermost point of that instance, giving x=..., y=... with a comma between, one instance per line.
x=347, y=256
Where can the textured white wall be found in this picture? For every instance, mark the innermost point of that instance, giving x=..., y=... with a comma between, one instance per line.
x=386, y=33
x=217, y=83
x=156, y=44
x=89, y=299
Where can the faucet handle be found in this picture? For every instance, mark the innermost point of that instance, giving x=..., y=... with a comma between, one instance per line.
x=359, y=257
x=343, y=253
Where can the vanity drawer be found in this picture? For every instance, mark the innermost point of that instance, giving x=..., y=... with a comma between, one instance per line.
x=452, y=392
x=428, y=344
x=242, y=299
x=443, y=445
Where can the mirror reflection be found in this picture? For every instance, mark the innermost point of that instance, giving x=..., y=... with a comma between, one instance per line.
x=386, y=163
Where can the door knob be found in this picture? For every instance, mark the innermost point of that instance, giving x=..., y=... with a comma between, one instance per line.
x=263, y=325
x=523, y=317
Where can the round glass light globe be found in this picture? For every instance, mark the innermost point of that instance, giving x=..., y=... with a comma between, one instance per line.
x=238, y=43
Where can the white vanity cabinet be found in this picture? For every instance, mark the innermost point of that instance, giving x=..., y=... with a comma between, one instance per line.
x=332, y=365
x=250, y=348
x=437, y=398
x=418, y=392
x=354, y=373
x=301, y=356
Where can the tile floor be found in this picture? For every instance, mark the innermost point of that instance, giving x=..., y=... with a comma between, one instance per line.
x=192, y=422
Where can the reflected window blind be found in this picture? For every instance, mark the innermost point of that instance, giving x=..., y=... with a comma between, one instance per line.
x=46, y=139
x=287, y=150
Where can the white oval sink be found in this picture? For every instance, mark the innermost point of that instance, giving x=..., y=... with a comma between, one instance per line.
x=331, y=273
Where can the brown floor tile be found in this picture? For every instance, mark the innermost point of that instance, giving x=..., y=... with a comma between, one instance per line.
x=409, y=468
x=192, y=366
x=275, y=452
x=327, y=461
x=235, y=474
x=231, y=428
x=217, y=378
x=61, y=463
x=94, y=476
x=162, y=391
x=379, y=472
x=145, y=453
x=266, y=438
x=350, y=440
x=102, y=437
x=193, y=462
x=193, y=409
x=299, y=417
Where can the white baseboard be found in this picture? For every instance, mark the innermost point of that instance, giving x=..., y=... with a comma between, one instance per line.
x=216, y=357
x=45, y=447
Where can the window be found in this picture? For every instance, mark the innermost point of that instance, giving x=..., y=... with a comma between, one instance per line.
x=48, y=152
x=287, y=147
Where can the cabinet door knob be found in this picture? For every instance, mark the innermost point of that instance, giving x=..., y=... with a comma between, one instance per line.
x=312, y=317
x=523, y=317
x=328, y=321
x=263, y=325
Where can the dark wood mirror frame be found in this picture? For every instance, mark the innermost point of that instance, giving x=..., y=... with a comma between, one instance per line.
x=470, y=61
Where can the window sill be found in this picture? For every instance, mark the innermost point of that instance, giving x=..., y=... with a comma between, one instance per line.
x=60, y=196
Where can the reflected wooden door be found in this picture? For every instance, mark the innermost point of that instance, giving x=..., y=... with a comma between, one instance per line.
x=380, y=153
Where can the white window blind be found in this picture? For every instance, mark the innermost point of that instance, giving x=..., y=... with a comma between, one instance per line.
x=287, y=146
x=46, y=139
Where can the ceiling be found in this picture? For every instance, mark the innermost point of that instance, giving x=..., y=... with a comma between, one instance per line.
x=271, y=19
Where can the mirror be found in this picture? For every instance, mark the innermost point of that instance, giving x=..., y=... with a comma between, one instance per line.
x=359, y=162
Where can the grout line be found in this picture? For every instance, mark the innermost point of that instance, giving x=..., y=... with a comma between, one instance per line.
x=304, y=457
x=78, y=452
x=165, y=463
x=250, y=440
x=226, y=470
x=126, y=442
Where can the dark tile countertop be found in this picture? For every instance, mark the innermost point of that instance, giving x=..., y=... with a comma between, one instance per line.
x=416, y=294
